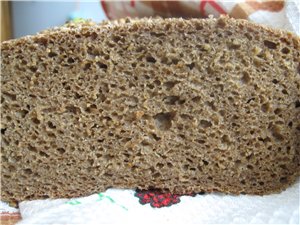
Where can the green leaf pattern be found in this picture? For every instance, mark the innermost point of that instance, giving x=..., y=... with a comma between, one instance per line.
x=101, y=197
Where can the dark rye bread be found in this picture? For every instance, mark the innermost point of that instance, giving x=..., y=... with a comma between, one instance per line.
x=178, y=105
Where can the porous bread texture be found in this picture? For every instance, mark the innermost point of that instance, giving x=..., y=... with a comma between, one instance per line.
x=177, y=105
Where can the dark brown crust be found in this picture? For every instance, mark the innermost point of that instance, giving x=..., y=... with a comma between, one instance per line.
x=180, y=105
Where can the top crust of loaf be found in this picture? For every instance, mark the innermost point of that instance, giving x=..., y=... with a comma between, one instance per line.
x=134, y=23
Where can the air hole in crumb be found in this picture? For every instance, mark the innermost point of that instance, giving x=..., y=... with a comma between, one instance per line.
x=238, y=162
x=165, y=60
x=185, y=167
x=186, y=116
x=94, y=35
x=51, y=135
x=140, y=49
x=297, y=104
x=250, y=167
x=170, y=84
x=205, y=162
x=160, y=165
x=245, y=78
x=163, y=121
x=276, y=132
x=198, y=26
x=265, y=107
x=3, y=131
x=201, y=141
x=196, y=99
x=270, y=44
x=61, y=150
x=171, y=100
x=43, y=154
x=87, y=66
x=102, y=65
x=98, y=155
x=156, y=175
x=73, y=109
x=42, y=41
x=27, y=171
x=150, y=59
x=33, y=69
x=157, y=82
x=277, y=111
x=52, y=54
x=71, y=60
x=225, y=139
x=211, y=105
x=91, y=109
x=35, y=120
x=285, y=50
x=283, y=180
x=146, y=77
x=51, y=125
x=155, y=137
x=151, y=86
x=170, y=165
x=108, y=157
x=205, y=123
x=181, y=101
x=32, y=148
x=11, y=97
x=191, y=66
x=175, y=61
x=283, y=167
x=157, y=34
x=12, y=168
x=116, y=39
x=222, y=112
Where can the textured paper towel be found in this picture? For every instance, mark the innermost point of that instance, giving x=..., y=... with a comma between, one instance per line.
x=121, y=206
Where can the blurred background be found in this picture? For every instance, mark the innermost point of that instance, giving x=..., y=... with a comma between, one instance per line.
x=20, y=18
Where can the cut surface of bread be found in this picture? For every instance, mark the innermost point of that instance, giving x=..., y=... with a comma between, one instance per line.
x=177, y=105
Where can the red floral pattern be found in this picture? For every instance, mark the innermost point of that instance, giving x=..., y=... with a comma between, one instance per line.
x=158, y=199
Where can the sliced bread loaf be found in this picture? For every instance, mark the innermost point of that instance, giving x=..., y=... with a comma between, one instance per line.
x=177, y=105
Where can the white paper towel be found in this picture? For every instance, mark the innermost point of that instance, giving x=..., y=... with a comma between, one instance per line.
x=122, y=207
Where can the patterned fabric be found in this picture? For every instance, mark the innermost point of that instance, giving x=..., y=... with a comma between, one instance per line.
x=158, y=199
x=9, y=218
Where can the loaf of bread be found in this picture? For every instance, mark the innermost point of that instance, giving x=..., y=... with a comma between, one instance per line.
x=169, y=104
